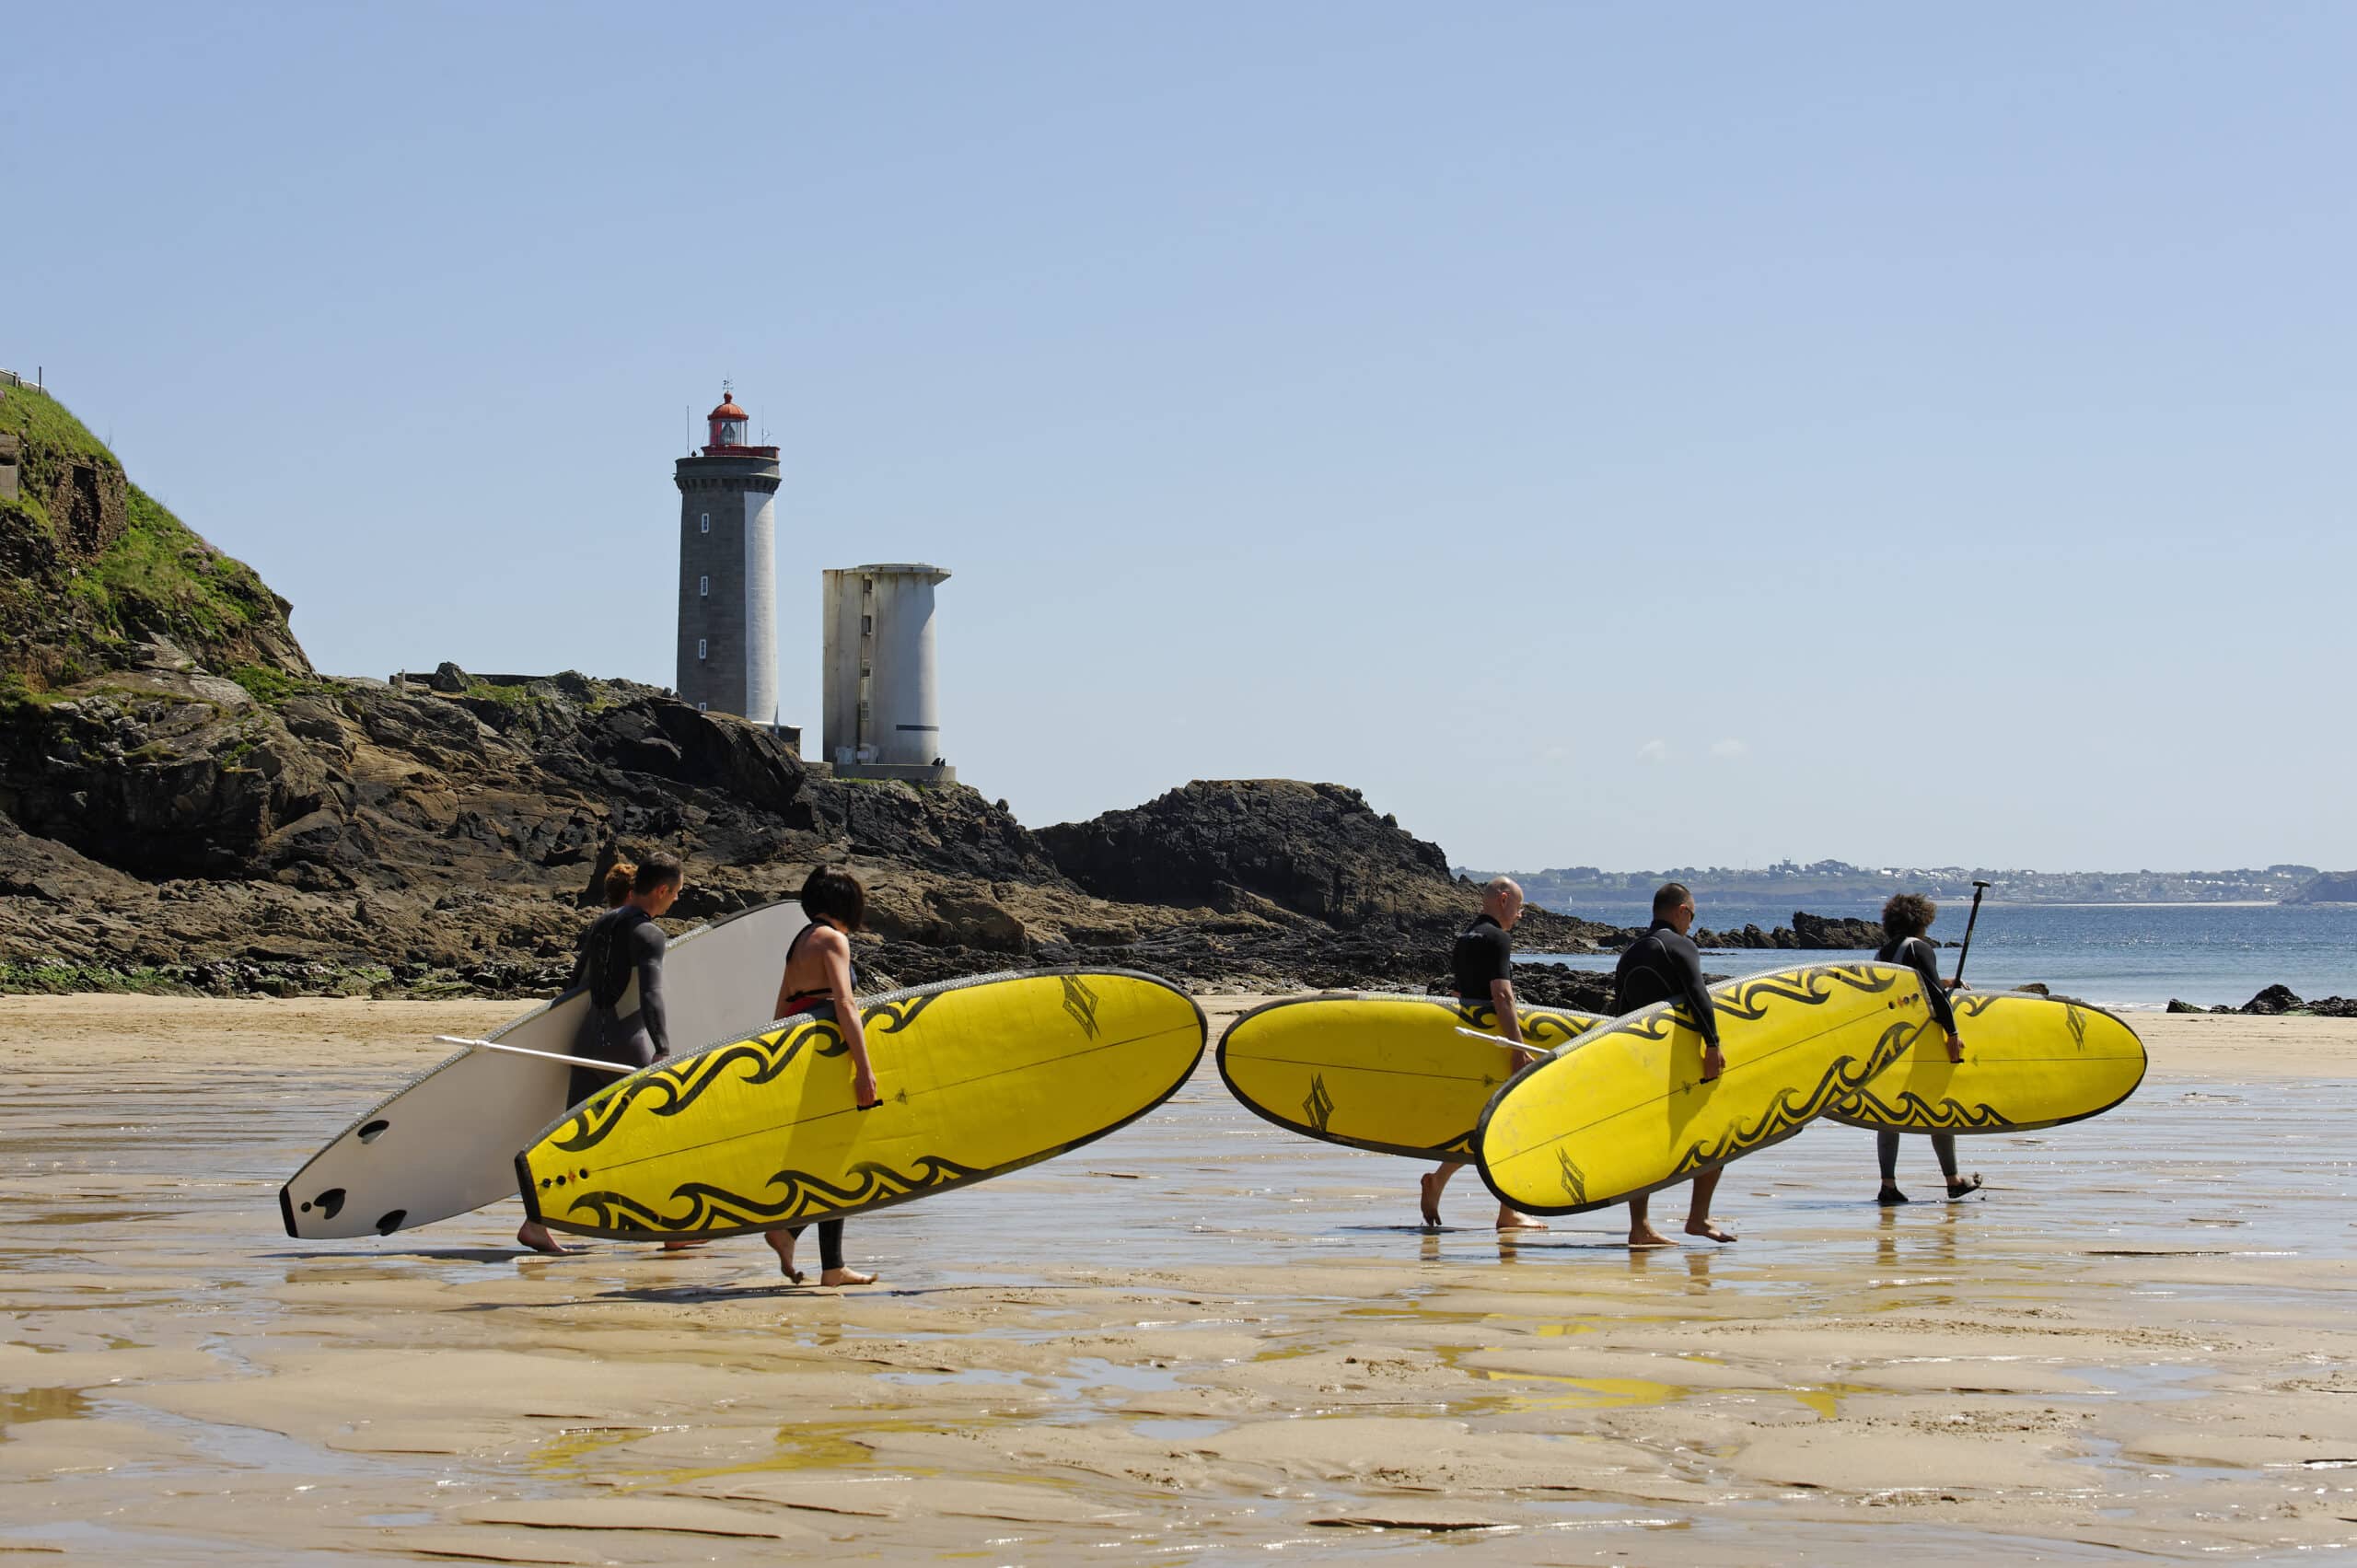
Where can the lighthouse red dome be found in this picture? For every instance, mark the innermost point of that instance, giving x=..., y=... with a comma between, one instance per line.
x=728, y=410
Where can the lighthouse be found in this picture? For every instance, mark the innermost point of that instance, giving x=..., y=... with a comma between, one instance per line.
x=728, y=570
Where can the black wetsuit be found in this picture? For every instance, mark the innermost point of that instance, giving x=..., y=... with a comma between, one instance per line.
x=1662, y=966
x=831, y=1232
x=1918, y=954
x=622, y=942
x=1483, y=953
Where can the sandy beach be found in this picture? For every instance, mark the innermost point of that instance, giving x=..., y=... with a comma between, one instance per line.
x=1199, y=1340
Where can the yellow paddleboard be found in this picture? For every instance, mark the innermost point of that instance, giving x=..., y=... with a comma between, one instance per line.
x=2029, y=1061
x=1624, y=1111
x=1382, y=1072
x=978, y=1077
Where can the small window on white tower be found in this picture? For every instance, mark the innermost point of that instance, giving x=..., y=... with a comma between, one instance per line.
x=703, y=588
x=707, y=523
x=699, y=707
x=701, y=647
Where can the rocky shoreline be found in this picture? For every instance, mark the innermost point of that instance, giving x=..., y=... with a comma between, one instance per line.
x=2277, y=1001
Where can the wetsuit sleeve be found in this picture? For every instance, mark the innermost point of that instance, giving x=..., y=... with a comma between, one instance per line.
x=1919, y=953
x=647, y=944
x=1687, y=960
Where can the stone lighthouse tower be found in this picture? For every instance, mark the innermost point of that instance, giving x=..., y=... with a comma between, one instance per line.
x=728, y=570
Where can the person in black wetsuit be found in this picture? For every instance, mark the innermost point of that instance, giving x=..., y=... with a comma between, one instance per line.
x=1483, y=965
x=621, y=945
x=818, y=968
x=1664, y=965
x=1905, y=919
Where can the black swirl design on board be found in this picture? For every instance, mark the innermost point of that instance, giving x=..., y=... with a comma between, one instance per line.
x=2078, y=1024
x=762, y=1057
x=673, y=1089
x=1795, y=1107
x=1543, y=1029
x=702, y=1206
x=1910, y=1112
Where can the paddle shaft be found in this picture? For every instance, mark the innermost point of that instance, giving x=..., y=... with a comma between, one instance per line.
x=1509, y=1044
x=543, y=1055
x=1978, y=888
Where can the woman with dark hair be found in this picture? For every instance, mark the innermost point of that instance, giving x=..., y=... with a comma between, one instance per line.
x=1905, y=919
x=818, y=968
x=621, y=945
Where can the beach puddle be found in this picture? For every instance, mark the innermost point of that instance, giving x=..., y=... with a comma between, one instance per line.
x=22, y=1406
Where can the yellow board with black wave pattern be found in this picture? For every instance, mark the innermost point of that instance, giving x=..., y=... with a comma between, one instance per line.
x=977, y=1077
x=1377, y=1071
x=2029, y=1062
x=1625, y=1111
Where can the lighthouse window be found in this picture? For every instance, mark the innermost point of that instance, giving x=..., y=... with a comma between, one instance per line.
x=707, y=524
x=701, y=647
x=703, y=588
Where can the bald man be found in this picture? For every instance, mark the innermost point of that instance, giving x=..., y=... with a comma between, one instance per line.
x=1482, y=963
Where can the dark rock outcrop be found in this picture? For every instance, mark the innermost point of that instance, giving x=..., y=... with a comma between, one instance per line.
x=1317, y=850
x=1826, y=933
x=2274, y=1000
x=1813, y=933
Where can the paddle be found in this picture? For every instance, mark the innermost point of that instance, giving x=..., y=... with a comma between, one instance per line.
x=1978, y=888
x=543, y=1055
x=1510, y=1044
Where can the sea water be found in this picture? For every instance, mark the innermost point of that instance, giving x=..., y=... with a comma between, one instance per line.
x=2120, y=955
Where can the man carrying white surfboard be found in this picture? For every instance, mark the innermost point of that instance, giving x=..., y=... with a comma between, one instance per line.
x=1482, y=966
x=1664, y=965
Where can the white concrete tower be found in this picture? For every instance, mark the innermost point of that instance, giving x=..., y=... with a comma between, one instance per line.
x=883, y=711
x=727, y=657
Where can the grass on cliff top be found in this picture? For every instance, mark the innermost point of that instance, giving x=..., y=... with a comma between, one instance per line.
x=45, y=424
x=161, y=572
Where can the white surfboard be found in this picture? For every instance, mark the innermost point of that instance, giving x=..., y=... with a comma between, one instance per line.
x=446, y=1145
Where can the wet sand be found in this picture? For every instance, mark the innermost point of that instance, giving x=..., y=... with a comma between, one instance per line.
x=1199, y=1340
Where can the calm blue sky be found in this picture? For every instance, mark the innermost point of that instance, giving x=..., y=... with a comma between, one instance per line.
x=1620, y=435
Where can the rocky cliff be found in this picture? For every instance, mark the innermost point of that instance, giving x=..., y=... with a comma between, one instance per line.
x=186, y=803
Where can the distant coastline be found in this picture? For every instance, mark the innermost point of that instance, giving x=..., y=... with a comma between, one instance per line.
x=1825, y=881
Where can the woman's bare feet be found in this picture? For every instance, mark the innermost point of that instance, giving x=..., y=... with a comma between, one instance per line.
x=1963, y=1186
x=686, y=1246
x=535, y=1235
x=1509, y=1219
x=1709, y=1228
x=781, y=1243
x=1428, y=1188
x=845, y=1277
x=1644, y=1234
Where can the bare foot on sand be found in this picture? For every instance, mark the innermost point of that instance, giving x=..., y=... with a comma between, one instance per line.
x=535, y=1235
x=1710, y=1228
x=684, y=1246
x=1509, y=1220
x=845, y=1277
x=1644, y=1234
x=1428, y=1189
x=782, y=1244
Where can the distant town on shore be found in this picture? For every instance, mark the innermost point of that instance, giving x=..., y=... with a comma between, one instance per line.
x=1568, y=887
